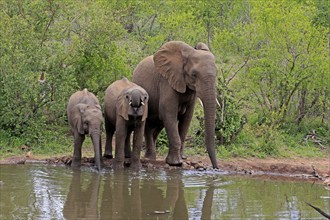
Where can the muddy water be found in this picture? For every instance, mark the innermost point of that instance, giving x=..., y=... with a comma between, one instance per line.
x=46, y=192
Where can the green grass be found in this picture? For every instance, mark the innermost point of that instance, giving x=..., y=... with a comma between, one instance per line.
x=54, y=141
x=253, y=141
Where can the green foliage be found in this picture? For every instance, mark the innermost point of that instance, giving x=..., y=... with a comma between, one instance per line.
x=322, y=16
x=272, y=56
x=162, y=143
x=196, y=135
x=229, y=121
x=27, y=104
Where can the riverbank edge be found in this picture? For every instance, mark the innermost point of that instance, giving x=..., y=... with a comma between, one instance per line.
x=287, y=169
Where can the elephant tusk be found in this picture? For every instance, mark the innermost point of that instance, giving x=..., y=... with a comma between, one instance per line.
x=217, y=101
x=142, y=103
x=200, y=102
x=130, y=103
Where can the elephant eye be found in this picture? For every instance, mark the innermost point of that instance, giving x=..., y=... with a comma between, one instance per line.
x=194, y=74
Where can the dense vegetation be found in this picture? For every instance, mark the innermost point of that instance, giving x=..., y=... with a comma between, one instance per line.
x=272, y=56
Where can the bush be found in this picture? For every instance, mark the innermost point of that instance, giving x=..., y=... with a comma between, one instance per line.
x=229, y=122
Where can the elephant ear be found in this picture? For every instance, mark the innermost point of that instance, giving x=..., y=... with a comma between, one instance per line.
x=202, y=46
x=170, y=60
x=145, y=112
x=77, y=114
x=122, y=105
x=98, y=107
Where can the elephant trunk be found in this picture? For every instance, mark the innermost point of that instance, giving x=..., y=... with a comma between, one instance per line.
x=96, y=139
x=208, y=98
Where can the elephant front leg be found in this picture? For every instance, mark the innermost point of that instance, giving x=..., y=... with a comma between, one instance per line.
x=108, y=142
x=121, y=133
x=128, y=145
x=174, y=155
x=137, y=146
x=78, y=141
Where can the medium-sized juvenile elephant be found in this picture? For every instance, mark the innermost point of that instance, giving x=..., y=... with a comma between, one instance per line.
x=85, y=117
x=125, y=111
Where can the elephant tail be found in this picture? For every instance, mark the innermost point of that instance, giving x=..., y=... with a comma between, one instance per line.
x=85, y=91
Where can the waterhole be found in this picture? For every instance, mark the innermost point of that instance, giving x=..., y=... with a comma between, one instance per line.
x=53, y=192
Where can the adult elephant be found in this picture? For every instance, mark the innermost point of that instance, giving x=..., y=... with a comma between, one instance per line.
x=174, y=77
x=85, y=117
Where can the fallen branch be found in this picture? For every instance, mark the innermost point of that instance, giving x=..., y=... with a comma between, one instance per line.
x=315, y=139
x=319, y=211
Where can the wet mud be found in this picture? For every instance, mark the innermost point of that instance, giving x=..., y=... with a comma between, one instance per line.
x=298, y=169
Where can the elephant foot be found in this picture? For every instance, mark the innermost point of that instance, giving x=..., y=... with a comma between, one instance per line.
x=117, y=165
x=108, y=156
x=75, y=163
x=136, y=165
x=173, y=161
x=150, y=156
x=99, y=166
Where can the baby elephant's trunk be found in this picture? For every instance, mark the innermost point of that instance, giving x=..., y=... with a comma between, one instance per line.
x=96, y=139
x=136, y=99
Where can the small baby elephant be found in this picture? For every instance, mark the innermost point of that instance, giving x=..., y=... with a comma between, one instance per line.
x=85, y=117
x=125, y=111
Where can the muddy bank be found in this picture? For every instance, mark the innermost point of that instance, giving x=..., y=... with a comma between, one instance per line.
x=304, y=169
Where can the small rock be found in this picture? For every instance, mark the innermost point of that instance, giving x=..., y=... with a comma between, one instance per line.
x=188, y=162
x=198, y=165
x=193, y=163
x=149, y=165
x=21, y=161
x=326, y=182
x=185, y=166
x=24, y=147
x=67, y=161
x=29, y=154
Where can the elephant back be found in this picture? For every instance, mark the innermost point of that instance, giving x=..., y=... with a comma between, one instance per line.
x=82, y=97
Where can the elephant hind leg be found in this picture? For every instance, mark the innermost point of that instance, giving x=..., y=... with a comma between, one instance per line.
x=183, y=127
x=151, y=134
x=110, y=130
x=78, y=141
x=128, y=145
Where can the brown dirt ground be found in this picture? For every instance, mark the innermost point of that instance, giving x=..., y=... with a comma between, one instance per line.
x=303, y=169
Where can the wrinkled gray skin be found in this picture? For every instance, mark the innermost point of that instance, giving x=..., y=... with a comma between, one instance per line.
x=174, y=77
x=85, y=117
x=125, y=111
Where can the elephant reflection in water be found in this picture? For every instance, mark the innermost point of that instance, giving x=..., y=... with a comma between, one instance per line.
x=207, y=203
x=128, y=197
x=82, y=203
x=124, y=197
x=131, y=198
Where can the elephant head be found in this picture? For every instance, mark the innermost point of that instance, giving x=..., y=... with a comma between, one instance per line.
x=87, y=118
x=187, y=68
x=133, y=102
